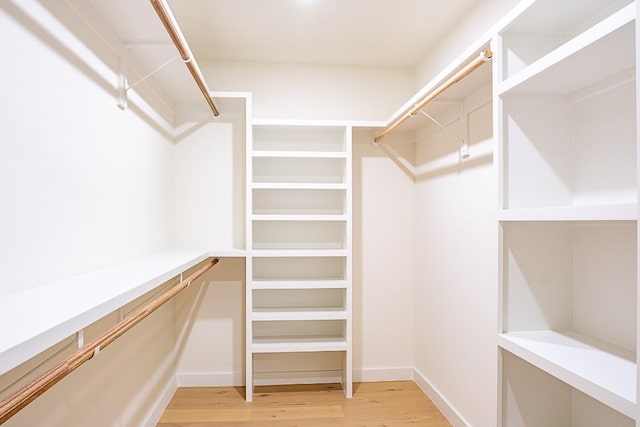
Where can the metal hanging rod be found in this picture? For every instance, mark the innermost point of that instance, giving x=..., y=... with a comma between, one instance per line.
x=27, y=394
x=468, y=69
x=170, y=24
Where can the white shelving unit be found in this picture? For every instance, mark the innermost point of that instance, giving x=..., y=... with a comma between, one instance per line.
x=298, y=297
x=565, y=109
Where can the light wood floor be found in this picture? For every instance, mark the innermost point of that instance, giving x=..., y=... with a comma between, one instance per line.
x=397, y=403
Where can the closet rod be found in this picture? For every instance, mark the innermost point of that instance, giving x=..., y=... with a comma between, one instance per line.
x=464, y=72
x=27, y=394
x=170, y=24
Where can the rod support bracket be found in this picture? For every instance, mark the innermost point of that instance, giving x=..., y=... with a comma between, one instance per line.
x=122, y=86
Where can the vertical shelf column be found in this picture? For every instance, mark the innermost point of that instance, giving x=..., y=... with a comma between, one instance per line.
x=566, y=120
x=298, y=296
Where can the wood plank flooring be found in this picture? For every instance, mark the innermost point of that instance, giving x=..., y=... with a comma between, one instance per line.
x=395, y=403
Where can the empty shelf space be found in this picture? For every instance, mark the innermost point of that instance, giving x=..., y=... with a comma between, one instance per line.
x=584, y=154
x=604, y=49
x=299, y=284
x=298, y=268
x=298, y=235
x=621, y=212
x=299, y=202
x=598, y=369
x=298, y=313
x=296, y=217
x=297, y=186
x=298, y=344
x=301, y=154
x=299, y=170
x=294, y=253
x=296, y=138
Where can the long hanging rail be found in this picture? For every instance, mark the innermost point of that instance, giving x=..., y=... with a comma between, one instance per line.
x=169, y=22
x=27, y=394
x=468, y=69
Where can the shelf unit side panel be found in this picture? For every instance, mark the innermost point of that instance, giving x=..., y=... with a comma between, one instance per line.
x=538, y=276
x=534, y=398
x=588, y=412
x=538, y=150
x=605, y=148
x=531, y=397
x=605, y=275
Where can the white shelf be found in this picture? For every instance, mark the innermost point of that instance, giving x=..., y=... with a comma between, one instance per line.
x=621, y=212
x=299, y=284
x=298, y=345
x=602, y=50
x=297, y=217
x=598, y=369
x=297, y=186
x=45, y=315
x=299, y=154
x=295, y=313
x=227, y=253
x=292, y=253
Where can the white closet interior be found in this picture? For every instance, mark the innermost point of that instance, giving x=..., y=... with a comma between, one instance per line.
x=563, y=90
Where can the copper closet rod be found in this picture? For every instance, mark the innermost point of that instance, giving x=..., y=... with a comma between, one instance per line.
x=27, y=394
x=464, y=72
x=165, y=15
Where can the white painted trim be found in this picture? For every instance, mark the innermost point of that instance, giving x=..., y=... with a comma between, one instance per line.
x=161, y=403
x=210, y=379
x=383, y=374
x=235, y=379
x=447, y=409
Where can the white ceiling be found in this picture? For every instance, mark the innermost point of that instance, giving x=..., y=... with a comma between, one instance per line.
x=394, y=33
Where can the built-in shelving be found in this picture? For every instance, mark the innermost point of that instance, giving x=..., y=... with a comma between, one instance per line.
x=596, y=368
x=298, y=345
x=62, y=308
x=621, y=212
x=565, y=104
x=299, y=243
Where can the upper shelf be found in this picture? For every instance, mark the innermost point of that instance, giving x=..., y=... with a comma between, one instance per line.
x=619, y=212
x=603, y=50
x=45, y=315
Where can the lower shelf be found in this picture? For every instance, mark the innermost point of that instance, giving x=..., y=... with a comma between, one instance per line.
x=298, y=345
x=600, y=370
x=275, y=314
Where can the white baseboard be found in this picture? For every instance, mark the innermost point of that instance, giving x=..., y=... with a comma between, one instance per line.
x=210, y=379
x=383, y=374
x=439, y=400
x=236, y=379
x=161, y=403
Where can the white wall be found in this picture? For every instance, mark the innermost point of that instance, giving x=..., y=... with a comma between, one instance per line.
x=383, y=264
x=473, y=25
x=83, y=185
x=456, y=271
x=209, y=183
x=121, y=387
x=298, y=91
x=209, y=328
